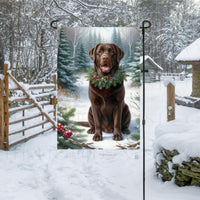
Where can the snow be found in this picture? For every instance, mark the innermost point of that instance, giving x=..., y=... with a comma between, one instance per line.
x=181, y=134
x=37, y=170
x=1, y=77
x=7, y=63
x=12, y=85
x=149, y=58
x=168, y=81
x=156, y=116
x=190, y=53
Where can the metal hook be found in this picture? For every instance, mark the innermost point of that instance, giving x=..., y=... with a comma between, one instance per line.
x=146, y=22
x=52, y=22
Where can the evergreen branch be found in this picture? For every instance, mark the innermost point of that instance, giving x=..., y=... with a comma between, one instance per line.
x=65, y=119
x=106, y=81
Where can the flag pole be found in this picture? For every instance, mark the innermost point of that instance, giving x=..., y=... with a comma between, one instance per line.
x=145, y=24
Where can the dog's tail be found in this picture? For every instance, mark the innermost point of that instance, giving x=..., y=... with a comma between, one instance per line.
x=85, y=124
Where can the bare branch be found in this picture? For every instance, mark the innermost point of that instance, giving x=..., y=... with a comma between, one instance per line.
x=91, y=6
x=43, y=5
x=67, y=11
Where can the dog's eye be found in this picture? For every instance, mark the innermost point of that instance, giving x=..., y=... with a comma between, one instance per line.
x=111, y=51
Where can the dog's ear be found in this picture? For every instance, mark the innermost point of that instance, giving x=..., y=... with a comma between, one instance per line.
x=92, y=52
x=120, y=53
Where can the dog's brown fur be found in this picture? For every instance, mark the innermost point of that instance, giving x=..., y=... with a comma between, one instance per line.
x=108, y=111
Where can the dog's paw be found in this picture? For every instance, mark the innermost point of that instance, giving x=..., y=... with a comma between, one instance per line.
x=97, y=137
x=91, y=131
x=126, y=131
x=117, y=137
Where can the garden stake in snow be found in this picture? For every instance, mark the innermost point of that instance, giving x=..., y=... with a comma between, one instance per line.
x=145, y=24
x=170, y=102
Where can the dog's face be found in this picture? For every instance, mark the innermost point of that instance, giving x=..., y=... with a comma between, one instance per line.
x=106, y=58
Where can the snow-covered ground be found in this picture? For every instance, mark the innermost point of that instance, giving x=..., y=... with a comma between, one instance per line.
x=155, y=116
x=37, y=170
x=82, y=104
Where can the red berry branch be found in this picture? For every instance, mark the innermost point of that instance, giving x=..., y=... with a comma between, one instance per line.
x=66, y=132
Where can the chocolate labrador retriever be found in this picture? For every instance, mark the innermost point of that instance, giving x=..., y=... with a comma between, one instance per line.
x=108, y=111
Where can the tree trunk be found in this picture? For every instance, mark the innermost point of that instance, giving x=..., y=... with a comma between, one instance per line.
x=196, y=80
x=11, y=44
x=1, y=58
x=41, y=50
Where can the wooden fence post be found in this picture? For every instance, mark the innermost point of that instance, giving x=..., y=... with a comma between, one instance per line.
x=6, y=107
x=43, y=108
x=170, y=102
x=54, y=98
x=23, y=115
x=1, y=114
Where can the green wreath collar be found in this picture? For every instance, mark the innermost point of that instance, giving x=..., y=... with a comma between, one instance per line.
x=106, y=82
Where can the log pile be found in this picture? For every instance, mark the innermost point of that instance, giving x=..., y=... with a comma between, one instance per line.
x=188, y=173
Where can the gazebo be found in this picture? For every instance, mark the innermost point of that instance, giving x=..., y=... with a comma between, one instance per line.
x=191, y=56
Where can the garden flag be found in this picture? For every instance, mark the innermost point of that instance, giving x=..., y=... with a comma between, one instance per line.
x=98, y=88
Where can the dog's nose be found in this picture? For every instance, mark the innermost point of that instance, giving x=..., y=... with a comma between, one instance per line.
x=105, y=57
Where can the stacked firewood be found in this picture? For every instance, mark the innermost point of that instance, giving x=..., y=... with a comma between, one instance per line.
x=186, y=173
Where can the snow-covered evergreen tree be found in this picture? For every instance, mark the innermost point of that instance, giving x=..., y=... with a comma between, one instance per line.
x=82, y=59
x=134, y=64
x=116, y=38
x=66, y=75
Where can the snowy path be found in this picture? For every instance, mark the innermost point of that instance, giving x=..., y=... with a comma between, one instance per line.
x=36, y=170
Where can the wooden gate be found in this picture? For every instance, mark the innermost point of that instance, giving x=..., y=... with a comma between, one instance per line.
x=25, y=110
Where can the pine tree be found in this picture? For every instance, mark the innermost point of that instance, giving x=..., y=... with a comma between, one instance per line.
x=89, y=40
x=127, y=54
x=134, y=64
x=99, y=38
x=82, y=59
x=94, y=38
x=130, y=61
x=116, y=37
x=65, y=69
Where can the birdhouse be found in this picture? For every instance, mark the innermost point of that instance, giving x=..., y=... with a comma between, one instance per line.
x=153, y=69
x=191, y=56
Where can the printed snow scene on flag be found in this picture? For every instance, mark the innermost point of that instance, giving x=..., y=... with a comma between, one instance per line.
x=98, y=88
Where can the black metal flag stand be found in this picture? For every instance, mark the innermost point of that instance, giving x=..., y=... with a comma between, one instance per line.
x=145, y=24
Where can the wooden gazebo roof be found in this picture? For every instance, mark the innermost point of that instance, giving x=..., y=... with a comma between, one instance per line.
x=190, y=55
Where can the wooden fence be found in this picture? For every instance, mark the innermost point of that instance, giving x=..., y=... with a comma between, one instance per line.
x=25, y=110
x=175, y=76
